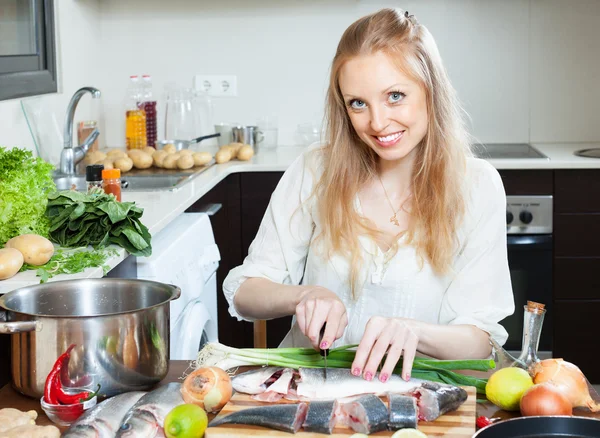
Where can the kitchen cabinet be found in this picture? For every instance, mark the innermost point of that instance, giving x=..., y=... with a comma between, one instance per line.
x=576, y=267
x=244, y=199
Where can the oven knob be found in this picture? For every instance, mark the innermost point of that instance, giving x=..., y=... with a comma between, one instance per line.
x=526, y=217
x=509, y=217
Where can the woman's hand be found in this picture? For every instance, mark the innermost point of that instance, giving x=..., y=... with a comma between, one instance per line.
x=317, y=307
x=396, y=336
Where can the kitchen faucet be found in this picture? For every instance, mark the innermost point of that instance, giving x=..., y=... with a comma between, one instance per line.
x=70, y=156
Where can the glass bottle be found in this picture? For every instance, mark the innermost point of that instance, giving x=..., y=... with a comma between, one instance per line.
x=93, y=176
x=111, y=182
x=533, y=319
x=148, y=104
x=135, y=117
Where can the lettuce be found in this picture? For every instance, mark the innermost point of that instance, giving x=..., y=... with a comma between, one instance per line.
x=25, y=182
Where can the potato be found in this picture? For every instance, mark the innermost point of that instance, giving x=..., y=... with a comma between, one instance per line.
x=116, y=153
x=36, y=250
x=176, y=154
x=202, y=158
x=185, y=161
x=229, y=149
x=11, y=261
x=142, y=160
x=108, y=164
x=169, y=148
x=170, y=161
x=159, y=157
x=235, y=148
x=149, y=150
x=245, y=153
x=94, y=157
x=223, y=156
x=186, y=152
x=123, y=164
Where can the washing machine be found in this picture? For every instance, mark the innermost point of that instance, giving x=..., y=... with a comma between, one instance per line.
x=185, y=254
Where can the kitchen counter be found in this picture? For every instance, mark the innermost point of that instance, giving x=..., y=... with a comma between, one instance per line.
x=161, y=207
x=177, y=369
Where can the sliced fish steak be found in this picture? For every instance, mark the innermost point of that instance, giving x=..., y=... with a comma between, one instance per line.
x=284, y=417
x=320, y=417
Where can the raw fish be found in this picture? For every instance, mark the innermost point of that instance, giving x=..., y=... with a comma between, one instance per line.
x=286, y=417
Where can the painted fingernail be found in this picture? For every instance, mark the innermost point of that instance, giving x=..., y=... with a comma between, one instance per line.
x=368, y=375
x=407, y=377
x=383, y=377
x=324, y=344
x=356, y=371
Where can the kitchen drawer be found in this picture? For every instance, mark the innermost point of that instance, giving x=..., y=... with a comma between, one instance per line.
x=527, y=182
x=577, y=278
x=576, y=335
x=577, y=191
x=577, y=235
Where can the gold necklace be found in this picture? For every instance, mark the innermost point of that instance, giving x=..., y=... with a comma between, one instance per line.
x=393, y=219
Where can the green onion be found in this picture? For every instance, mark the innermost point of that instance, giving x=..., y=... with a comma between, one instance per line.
x=216, y=354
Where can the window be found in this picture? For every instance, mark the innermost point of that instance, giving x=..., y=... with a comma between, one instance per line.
x=27, y=53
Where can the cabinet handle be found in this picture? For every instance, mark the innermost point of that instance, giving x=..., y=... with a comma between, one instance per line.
x=210, y=209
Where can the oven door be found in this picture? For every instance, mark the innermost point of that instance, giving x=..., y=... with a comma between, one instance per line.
x=530, y=263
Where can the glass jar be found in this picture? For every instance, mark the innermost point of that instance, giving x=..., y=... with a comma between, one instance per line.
x=111, y=182
x=93, y=176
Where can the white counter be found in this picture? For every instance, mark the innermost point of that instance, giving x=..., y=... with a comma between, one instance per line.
x=161, y=207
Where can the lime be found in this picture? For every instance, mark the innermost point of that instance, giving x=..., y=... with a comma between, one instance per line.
x=186, y=421
x=506, y=387
x=409, y=433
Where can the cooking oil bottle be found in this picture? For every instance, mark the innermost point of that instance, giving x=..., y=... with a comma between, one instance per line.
x=135, y=116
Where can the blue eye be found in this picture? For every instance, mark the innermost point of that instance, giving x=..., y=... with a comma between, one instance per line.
x=357, y=104
x=396, y=96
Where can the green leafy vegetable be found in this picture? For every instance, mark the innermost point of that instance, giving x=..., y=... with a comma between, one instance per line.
x=97, y=219
x=25, y=182
x=71, y=262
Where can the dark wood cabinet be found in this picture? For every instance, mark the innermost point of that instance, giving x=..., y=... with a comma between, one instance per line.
x=244, y=198
x=576, y=267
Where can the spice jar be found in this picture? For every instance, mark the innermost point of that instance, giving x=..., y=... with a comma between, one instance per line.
x=111, y=182
x=93, y=176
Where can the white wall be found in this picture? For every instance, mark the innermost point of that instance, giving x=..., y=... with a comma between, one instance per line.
x=526, y=70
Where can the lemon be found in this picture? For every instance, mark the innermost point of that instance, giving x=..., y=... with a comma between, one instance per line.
x=409, y=433
x=506, y=387
x=186, y=421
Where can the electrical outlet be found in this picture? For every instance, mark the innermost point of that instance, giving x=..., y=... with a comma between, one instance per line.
x=217, y=85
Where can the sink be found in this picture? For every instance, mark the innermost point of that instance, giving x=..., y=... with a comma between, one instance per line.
x=133, y=183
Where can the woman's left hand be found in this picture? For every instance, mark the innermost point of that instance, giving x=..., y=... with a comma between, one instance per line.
x=396, y=336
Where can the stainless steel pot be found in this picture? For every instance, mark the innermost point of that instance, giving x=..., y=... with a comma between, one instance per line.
x=120, y=329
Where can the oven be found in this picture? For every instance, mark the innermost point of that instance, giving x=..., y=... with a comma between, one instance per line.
x=529, y=240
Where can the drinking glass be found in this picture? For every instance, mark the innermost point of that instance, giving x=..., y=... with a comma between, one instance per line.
x=269, y=127
x=180, y=123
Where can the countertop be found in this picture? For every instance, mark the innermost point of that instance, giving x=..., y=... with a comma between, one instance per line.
x=177, y=369
x=161, y=207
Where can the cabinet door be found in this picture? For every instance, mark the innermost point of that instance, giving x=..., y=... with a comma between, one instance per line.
x=256, y=191
x=226, y=224
x=575, y=334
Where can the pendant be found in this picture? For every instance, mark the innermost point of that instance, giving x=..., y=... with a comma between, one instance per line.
x=394, y=220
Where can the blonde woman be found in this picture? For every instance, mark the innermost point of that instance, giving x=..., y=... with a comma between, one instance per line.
x=391, y=235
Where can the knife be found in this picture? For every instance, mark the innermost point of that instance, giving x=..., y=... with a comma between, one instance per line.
x=322, y=352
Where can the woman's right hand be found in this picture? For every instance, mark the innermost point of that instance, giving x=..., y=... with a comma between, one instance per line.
x=317, y=307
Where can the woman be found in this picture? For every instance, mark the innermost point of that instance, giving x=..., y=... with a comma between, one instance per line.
x=391, y=235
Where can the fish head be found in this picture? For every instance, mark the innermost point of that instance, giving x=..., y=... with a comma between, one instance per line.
x=83, y=431
x=142, y=424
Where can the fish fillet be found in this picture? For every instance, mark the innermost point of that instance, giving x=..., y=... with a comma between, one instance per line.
x=287, y=417
x=434, y=400
x=367, y=414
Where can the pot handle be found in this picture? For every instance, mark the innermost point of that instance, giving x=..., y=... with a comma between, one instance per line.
x=18, y=326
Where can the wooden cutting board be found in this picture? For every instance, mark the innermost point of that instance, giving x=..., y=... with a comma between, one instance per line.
x=458, y=424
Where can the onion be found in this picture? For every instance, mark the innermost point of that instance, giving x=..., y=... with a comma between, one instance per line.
x=208, y=387
x=568, y=379
x=544, y=399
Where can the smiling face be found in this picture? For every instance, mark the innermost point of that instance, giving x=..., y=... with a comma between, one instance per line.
x=388, y=110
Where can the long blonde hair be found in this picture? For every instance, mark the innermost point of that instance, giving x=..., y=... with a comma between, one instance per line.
x=437, y=203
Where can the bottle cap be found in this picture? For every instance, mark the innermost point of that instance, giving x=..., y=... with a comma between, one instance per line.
x=93, y=172
x=111, y=173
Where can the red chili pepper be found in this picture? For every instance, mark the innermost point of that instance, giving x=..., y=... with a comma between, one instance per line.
x=71, y=399
x=482, y=422
x=49, y=395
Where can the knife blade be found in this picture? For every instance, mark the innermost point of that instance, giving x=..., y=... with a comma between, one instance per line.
x=323, y=352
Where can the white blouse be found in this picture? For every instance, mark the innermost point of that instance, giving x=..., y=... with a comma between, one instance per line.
x=477, y=290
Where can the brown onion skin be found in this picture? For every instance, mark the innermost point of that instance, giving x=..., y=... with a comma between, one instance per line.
x=544, y=399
